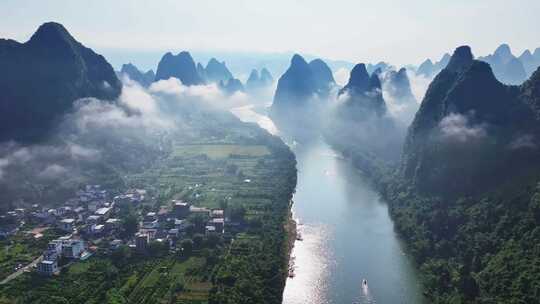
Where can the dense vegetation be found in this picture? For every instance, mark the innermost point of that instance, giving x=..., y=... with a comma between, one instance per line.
x=255, y=268
x=212, y=161
x=476, y=249
x=21, y=249
x=467, y=198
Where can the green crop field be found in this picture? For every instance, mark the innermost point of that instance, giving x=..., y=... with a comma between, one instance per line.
x=220, y=151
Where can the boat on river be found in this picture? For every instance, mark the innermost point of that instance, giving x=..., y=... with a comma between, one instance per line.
x=291, y=267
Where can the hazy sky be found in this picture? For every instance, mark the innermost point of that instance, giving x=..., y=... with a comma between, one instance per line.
x=357, y=30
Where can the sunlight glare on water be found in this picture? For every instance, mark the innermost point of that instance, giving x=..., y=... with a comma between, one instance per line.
x=312, y=277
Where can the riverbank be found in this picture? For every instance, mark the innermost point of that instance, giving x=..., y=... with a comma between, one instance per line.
x=291, y=235
x=347, y=236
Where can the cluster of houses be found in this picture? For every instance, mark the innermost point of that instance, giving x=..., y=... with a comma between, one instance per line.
x=89, y=213
x=89, y=219
x=75, y=210
x=92, y=200
x=11, y=221
x=151, y=228
x=64, y=247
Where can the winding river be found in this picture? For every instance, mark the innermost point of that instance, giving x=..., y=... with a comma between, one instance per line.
x=347, y=234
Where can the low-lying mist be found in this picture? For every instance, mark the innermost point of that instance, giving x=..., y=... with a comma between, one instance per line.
x=402, y=110
x=355, y=127
x=137, y=129
x=105, y=139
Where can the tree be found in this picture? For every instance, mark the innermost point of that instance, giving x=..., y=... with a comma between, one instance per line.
x=199, y=221
x=211, y=257
x=224, y=203
x=212, y=240
x=130, y=225
x=115, y=297
x=187, y=247
x=158, y=248
x=120, y=255
x=237, y=213
x=198, y=240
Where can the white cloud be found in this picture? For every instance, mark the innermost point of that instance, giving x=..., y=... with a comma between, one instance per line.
x=91, y=113
x=173, y=90
x=401, y=109
x=53, y=171
x=43, y=161
x=135, y=117
x=525, y=141
x=247, y=114
x=342, y=98
x=456, y=127
x=79, y=152
x=419, y=85
x=22, y=155
x=341, y=76
x=136, y=98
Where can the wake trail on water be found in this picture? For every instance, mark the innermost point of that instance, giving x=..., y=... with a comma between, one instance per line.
x=365, y=297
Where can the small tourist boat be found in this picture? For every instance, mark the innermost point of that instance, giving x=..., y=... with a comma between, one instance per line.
x=364, y=282
x=291, y=272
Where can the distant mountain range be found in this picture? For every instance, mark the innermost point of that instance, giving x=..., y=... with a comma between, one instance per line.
x=399, y=86
x=508, y=68
x=258, y=80
x=215, y=71
x=530, y=61
x=231, y=86
x=240, y=64
x=301, y=83
x=131, y=71
x=429, y=69
x=180, y=66
x=301, y=93
x=41, y=78
x=363, y=94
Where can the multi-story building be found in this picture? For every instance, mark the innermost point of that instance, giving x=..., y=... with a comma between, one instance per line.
x=180, y=209
x=47, y=267
x=104, y=212
x=141, y=241
x=67, y=225
x=72, y=249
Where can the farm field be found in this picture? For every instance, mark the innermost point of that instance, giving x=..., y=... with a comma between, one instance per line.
x=218, y=151
x=242, y=169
